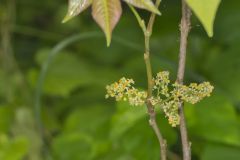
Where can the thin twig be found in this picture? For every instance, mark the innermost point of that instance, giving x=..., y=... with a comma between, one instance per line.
x=185, y=27
x=153, y=124
x=150, y=107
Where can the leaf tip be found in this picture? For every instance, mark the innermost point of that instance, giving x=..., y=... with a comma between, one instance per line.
x=108, y=39
x=210, y=34
x=66, y=18
x=108, y=35
x=158, y=12
x=209, y=31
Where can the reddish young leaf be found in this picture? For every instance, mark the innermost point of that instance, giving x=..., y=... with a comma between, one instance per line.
x=107, y=14
x=75, y=7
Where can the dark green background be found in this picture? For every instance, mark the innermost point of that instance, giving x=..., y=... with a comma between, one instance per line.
x=79, y=123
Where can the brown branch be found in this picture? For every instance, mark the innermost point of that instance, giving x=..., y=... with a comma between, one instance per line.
x=150, y=107
x=151, y=110
x=185, y=27
x=153, y=124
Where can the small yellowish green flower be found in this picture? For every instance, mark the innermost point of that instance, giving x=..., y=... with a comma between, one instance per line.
x=155, y=100
x=161, y=83
x=192, y=93
x=170, y=108
x=135, y=97
x=123, y=90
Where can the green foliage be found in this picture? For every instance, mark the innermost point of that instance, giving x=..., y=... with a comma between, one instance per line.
x=23, y=125
x=221, y=115
x=6, y=113
x=220, y=153
x=65, y=73
x=206, y=11
x=13, y=149
x=68, y=146
x=125, y=118
x=81, y=112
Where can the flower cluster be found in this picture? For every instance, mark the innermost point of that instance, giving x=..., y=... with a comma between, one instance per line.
x=170, y=108
x=161, y=83
x=123, y=90
x=169, y=100
x=168, y=96
x=194, y=92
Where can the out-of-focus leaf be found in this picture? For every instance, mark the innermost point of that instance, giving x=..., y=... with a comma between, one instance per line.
x=10, y=86
x=226, y=75
x=214, y=119
x=95, y=116
x=97, y=126
x=214, y=152
x=6, y=115
x=2, y=84
x=65, y=73
x=131, y=129
x=75, y=7
x=229, y=17
x=24, y=125
x=75, y=146
x=107, y=14
x=205, y=10
x=125, y=118
x=13, y=149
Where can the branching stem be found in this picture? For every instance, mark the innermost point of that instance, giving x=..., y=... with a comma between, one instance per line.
x=150, y=107
x=147, y=30
x=151, y=110
x=185, y=27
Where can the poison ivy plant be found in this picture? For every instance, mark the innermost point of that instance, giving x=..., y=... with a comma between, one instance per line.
x=71, y=88
x=106, y=12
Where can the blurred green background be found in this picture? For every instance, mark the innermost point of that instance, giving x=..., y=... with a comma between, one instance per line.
x=68, y=117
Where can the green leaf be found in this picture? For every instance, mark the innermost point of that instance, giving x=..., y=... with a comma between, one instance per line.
x=14, y=148
x=130, y=129
x=74, y=145
x=6, y=115
x=96, y=116
x=128, y=117
x=205, y=10
x=144, y=4
x=125, y=118
x=224, y=76
x=24, y=126
x=107, y=14
x=214, y=152
x=214, y=120
x=75, y=7
x=65, y=74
